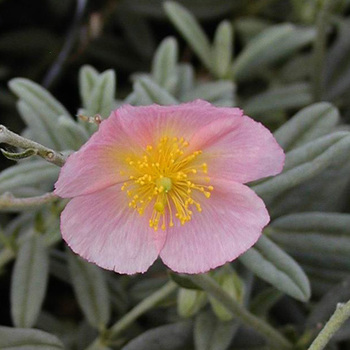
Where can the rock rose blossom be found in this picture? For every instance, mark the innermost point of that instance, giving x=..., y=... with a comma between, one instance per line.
x=168, y=181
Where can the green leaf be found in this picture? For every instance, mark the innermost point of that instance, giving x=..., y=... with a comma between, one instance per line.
x=27, y=339
x=185, y=73
x=164, y=65
x=213, y=334
x=271, y=45
x=16, y=156
x=272, y=264
x=91, y=290
x=222, y=49
x=171, y=337
x=308, y=124
x=212, y=92
x=29, y=281
x=38, y=129
x=88, y=78
x=73, y=134
x=189, y=302
x=149, y=92
x=326, y=233
x=281, y=98
x=42, y=103
x=101, y=100
x=183, y=281
x=305, y=162
x=190, y=29
x=34, y=173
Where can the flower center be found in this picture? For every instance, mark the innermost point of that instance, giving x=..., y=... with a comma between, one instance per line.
x=169, y=179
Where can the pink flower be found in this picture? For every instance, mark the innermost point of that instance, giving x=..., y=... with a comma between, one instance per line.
x=168, y=181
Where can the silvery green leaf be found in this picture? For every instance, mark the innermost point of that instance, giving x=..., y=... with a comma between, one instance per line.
x=305, y=162
x=137, y=32
x=102, y=95
x=213, y=334
x=337, y=72
x=164, y=65
x=171, y=337
x=149, y=92
x=212, y=92
x=42, y=103
x=91, y=290
x=20, y=155
x=27, y=339
x=271, y=45
x=29, y=281
x=326, y=233
x=37, y=130
x=183, y=281
x=298, y=68
x=290, y=96
x=222, y=50
x=185, y=83
x=73, y=134
x=33, y=173
x=88, y=78
x=189, y=27
x=189, y=302
x=308, y=124
x=273, y=265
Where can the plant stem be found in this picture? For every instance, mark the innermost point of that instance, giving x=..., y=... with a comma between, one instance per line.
x=135, y=313
x=276, y=339
x=9, y=203
x=10, y=138
x=341, y=314
x=319, y=49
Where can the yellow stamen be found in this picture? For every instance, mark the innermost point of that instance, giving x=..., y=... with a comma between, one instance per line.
x=168, y=178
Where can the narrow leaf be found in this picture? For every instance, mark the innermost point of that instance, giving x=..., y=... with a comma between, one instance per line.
x=153, y=92
x=102, y=96
x=90, y=289
x=213, y=334
x=188, y=26
x=326, y=233
x=74, y=134
x=29, y=174
x=164, y=65
x=212, y=92
x=171, y=337
x=222, y=49
x=27, y=339
x=304, y=163
x=308, y=124
x=16, y=156
x=271, y=45
x=88, y=77
x=40, y=102
x=273, y=265
x=29, y=281
x=38, y=129
x=290, y=96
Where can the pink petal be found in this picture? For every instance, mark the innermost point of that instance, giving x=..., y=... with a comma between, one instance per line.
x=129, y=130
x=237, y=148
x=230, y=223
x=101, y=228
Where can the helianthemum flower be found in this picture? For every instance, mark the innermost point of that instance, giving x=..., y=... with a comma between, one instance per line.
x=168, y=181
